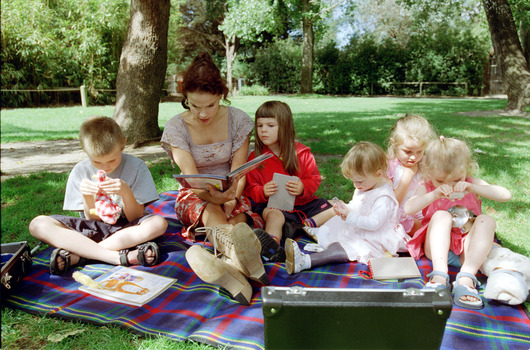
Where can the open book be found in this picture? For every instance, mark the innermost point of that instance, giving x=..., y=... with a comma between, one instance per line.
x=393, y=268
x=128, y=286
x=222, y=183
x=282, y=200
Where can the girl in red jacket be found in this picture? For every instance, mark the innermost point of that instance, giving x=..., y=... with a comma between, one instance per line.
x=274, y=128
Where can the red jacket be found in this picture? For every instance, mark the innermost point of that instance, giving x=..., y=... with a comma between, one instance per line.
x=308, y=174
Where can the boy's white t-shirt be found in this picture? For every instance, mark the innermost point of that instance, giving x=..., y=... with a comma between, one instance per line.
x=132, y=170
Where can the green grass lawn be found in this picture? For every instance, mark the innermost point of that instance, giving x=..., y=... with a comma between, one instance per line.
x=329, y=125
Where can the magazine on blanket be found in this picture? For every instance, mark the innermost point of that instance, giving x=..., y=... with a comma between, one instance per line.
x=128, y=286
x=282, y=200
x=222, y=183
x=393, y=268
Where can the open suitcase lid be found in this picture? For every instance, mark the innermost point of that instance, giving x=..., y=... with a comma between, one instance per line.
x=16, y=262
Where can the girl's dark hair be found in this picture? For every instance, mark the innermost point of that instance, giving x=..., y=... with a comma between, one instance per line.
x=204, y=76
x=286, y=133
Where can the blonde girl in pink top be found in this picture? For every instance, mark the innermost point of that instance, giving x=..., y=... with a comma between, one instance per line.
x=410, y=136
x=448, y=183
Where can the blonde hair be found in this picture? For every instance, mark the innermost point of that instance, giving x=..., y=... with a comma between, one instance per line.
x=286, y=133
x=449, y=156
x=100, y=135
x=364, y=159
x=411, y=127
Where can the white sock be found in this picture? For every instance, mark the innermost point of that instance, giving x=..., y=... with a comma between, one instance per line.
x=301, y=261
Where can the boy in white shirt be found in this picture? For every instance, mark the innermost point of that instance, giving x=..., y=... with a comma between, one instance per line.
x=129, y=183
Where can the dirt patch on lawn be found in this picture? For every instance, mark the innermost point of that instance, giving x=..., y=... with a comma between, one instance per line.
x=59, y=156
x=494, y=112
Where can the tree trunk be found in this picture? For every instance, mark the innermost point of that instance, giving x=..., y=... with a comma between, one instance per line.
x=231, y=53
x=524, y=34
x=142, y=70
x=306, y=81
x=512, y=63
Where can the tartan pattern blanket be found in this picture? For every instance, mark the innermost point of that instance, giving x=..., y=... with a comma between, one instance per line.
x=192, y=309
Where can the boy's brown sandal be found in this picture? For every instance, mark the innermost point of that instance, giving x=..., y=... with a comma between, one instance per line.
x=65, y=255
x=123, y=257
x=143, y=248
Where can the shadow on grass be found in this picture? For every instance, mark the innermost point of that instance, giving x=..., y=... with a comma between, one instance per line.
x=23, y=198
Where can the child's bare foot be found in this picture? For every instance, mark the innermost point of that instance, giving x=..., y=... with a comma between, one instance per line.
x=466, y=281
x=466, y=294
x=437, y=280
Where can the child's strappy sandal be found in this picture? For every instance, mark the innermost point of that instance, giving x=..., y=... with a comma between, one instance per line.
x=437, y=285
x=461, y=290
x=123, y=257
x=65, y=255
x=142, y=249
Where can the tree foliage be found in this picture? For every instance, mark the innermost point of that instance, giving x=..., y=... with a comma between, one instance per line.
x=61, y=43
x=277, y=67
x=196, y=30
x=416, y=42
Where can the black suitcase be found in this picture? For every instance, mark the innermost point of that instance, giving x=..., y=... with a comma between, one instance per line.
x=339, y=318
x=16, y=262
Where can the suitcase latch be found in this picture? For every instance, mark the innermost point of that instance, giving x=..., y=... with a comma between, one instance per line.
x=6, y=280
x=409, y=292
x=296, y=290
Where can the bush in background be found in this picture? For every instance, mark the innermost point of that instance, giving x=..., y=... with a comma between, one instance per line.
x=369, y=67
x=278, y=66
x=254, y=90
x=63, y=43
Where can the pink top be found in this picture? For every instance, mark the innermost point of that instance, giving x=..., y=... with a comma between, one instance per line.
x=470, y=201
x=395, y=173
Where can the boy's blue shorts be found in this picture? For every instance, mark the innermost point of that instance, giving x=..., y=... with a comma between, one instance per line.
x=94, y=229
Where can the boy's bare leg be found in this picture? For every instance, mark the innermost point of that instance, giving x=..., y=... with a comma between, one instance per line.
x=148, y=230
x=56, y=234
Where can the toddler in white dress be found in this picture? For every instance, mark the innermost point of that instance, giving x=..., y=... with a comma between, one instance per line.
x=367, y=227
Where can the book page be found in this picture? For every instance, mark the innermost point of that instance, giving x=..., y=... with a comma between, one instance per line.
x=282, y=199
x=199, y=181
x=248, y=166
x=222, y=183
x=129, y=286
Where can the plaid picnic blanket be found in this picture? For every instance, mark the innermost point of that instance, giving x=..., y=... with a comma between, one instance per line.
x=192, y=309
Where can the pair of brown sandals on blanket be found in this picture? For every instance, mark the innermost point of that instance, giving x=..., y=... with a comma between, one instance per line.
x=142, y=258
